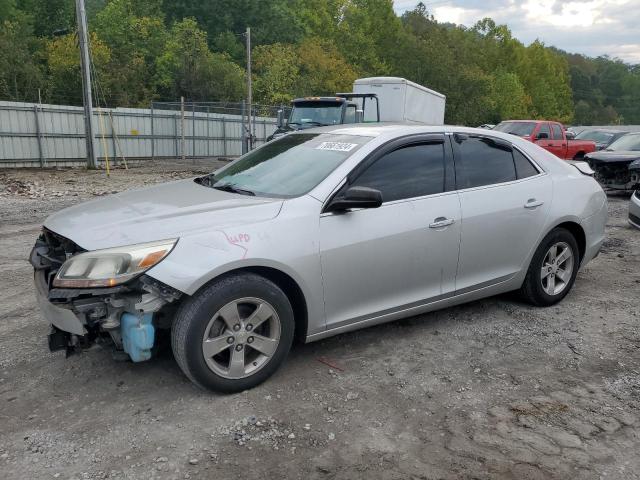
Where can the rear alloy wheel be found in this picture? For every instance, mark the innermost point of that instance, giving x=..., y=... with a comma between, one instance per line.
x=553, y=269
x=557, y=268
x=234, y=333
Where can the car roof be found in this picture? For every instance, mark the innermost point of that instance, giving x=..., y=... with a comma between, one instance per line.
x=398, y=129
x=607, y=130
x=389, y=131
x=528, y=121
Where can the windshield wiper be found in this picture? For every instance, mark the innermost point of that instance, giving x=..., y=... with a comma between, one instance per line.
x=230, y=187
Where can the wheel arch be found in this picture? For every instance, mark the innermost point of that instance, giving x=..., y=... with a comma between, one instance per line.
x=579, y=155
x=287, y=284
x=578, y=233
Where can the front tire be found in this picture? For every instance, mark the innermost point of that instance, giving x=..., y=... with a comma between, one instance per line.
x=553, y=269
x=234, y=333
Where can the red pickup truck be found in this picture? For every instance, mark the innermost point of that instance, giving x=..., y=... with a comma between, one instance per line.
x=550, y=136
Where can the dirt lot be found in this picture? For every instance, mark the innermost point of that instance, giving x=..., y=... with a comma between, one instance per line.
x=492, y=389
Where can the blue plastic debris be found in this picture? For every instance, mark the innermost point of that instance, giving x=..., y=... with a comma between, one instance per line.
x=137, y=335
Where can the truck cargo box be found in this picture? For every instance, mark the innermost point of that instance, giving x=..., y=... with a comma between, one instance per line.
x=401, y=100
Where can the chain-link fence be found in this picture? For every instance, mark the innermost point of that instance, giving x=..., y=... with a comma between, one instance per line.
x=252, y=133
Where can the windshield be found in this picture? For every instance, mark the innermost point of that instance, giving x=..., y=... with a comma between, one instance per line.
x=287, y=167
x=522, y=129
x=597, y=136
x=316, y=113
x=626, y=143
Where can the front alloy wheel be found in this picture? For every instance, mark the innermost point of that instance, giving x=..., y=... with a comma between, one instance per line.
x=244, y=340
x=241, y=337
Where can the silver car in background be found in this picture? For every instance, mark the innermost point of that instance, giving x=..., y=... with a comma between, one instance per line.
x=634, y=209
x=314, y=234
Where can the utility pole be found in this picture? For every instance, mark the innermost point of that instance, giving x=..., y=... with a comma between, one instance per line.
x=249, y=91
x=182, y=126
x=81, y=17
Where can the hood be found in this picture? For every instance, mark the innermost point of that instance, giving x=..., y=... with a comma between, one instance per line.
x=168, y=210
x=613, y=157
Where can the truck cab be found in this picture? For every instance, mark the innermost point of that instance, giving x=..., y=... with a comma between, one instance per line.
x=311, y=112
x=551, y=136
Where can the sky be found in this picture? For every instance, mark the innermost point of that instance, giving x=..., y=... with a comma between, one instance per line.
x=593, y=28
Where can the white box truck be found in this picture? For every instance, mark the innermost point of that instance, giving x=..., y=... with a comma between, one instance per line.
x=401, y=100
x=375, y=99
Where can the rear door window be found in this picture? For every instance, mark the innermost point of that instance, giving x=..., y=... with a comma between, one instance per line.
x=480, y=161
x=544, y=128
x=557, y=131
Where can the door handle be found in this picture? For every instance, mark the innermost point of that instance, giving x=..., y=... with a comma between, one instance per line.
x=549, y=144
x=533, y=203
x=442, y=222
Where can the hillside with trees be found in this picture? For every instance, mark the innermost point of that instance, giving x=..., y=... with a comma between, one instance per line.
x=146, y=50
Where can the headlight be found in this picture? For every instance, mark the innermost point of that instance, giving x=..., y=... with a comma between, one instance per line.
x=112, y=266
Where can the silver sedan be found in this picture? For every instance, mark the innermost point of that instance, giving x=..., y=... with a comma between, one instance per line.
x=634, y=209
x=314, y=234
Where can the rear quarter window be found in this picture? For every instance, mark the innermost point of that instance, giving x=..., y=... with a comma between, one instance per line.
x=524, y=168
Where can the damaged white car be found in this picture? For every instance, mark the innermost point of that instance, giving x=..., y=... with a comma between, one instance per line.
x=317, y=233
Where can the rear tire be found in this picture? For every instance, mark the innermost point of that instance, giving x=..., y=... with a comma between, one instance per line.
x=553, y=269
x=234, y=333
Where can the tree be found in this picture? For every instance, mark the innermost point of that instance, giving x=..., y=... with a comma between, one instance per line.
x=7, y=10
x=314, y=67
x=277, y=69
x=510, y=98
x=545, y=75
x=50, y=16
x=20, y=71
x=64, y=75
x=135, y=33
x=188, y=68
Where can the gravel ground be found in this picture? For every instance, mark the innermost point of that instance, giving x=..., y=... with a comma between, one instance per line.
x=491, y=389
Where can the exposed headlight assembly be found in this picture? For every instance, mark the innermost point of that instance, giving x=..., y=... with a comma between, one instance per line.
x=111, y=266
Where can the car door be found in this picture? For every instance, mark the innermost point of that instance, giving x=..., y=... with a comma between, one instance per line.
x=558, y=143
x=402, y=254
x=504, y=199
x=544, y=139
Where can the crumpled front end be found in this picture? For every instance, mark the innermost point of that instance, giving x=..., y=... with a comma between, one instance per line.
x=616, y=175
x=125, y=316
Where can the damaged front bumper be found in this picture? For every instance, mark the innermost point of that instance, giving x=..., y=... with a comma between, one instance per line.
x=125, y=316
x=623, y=176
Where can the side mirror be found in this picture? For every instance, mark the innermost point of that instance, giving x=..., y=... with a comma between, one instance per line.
x=280, y=118
x=542, y=135
x=357, y=197
x=570, y=135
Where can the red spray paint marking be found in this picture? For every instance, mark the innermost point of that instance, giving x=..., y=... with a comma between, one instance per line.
x=238, y=239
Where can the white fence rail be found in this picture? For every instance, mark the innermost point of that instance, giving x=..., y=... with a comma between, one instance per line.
x=33, y=135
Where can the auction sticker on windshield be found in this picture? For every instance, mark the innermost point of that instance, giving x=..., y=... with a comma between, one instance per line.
x=337, y=146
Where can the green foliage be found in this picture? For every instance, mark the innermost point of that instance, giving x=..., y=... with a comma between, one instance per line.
x=146, y=50
x=188, y=68
x=136, y=35
x=20, y=71
x=63, y=60
x=287, y=71
x=49, y=16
